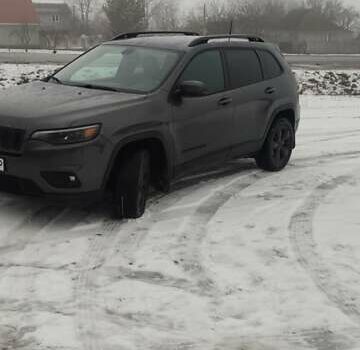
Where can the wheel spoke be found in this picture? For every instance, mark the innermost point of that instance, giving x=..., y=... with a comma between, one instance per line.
x=278, y=155
x=284, y=152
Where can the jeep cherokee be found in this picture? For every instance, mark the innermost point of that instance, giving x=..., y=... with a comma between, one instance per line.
x=144, y=109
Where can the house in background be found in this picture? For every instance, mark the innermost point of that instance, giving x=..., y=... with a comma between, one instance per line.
x=19, y=24
x=56, y=23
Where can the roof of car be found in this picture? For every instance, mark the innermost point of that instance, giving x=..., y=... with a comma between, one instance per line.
x=176, y=42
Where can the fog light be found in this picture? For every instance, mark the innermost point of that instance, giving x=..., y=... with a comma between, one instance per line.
x=61, y=179
x=72, y=178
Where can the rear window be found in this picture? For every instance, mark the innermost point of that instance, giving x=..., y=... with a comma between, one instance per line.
x=271, y=66
x=244, y=67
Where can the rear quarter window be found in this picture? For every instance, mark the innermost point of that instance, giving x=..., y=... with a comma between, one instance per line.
x=271, y=65
x=244, y=67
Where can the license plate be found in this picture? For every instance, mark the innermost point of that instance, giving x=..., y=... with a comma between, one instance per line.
x=2, y=165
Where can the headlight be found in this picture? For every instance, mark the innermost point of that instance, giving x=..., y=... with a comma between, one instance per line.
x=67, y=136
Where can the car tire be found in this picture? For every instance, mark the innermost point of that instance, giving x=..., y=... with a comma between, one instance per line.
x=132, y=185
x=278, y=146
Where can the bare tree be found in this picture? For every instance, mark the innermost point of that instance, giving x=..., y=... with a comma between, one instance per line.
x=23, y=33
x=85, y=7
x=53, y=38
x=126, y=15
x=163, y=14
x=260, y=16
x=254, y=17
x=344, y=17
x=219, y=16
x=317, y=5
x=348, y=18
x=332, y=9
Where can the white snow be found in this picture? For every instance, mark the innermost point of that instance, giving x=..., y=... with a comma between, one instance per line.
x=14, y=74
x=44, y=51
x=325, y=82
x=235, y=259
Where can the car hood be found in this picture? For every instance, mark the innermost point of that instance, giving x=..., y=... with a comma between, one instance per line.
x=44, y=101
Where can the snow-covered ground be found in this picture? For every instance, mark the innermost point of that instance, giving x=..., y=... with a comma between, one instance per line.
x=235, y=259
x=14, y=74
x=325, y=82
x=44, y=51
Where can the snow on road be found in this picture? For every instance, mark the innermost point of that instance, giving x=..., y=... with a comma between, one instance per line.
x=235, y=259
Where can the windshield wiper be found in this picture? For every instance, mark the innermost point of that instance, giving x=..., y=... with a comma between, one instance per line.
x=96, y=87
x=56, y=79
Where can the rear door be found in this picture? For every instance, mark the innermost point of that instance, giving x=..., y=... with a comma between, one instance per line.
x=250, y=100
x=201, y=125
x=273, y=84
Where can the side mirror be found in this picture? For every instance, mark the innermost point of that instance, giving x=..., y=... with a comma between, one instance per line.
x=192, y=88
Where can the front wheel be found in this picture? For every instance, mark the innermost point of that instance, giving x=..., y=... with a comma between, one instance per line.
x=132, y=185
x=278, y=146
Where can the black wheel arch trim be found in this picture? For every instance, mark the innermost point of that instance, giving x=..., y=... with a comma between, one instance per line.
x=139, y=137
x=274, y=115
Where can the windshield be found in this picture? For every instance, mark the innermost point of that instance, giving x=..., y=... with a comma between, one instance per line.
x=123, y=68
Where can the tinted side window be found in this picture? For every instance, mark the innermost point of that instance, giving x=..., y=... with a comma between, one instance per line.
x=244, y=67
x=272, y=68
x=206, y=67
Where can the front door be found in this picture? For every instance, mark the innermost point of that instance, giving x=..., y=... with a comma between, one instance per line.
x=202, y=125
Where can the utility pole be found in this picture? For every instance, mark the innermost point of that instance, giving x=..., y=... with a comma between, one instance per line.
x=205, y=19
x=147, y=13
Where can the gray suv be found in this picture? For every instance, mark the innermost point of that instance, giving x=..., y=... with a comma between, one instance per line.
x=143, y=110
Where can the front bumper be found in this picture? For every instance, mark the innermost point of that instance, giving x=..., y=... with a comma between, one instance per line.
x=27, y=173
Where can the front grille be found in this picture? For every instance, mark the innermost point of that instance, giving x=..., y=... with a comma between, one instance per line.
x=11, y=140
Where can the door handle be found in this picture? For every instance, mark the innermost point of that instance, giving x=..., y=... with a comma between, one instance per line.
x=225, y=101
x=270, y=90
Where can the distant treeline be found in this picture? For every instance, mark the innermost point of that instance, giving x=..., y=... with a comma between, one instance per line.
x=301, y=26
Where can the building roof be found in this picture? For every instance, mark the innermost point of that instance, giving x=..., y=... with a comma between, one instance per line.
x=17, y=12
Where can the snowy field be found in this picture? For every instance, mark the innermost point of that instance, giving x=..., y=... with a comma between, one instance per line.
x=14, y=74
x=42, y=51
x=238, y=259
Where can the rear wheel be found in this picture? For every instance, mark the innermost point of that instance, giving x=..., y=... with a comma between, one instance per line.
x=278, y=146
x=132, y=185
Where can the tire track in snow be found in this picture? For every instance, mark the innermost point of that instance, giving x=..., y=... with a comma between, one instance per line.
x=329, y=137
x=304, y=245
x=30, y=226
x=327, y=157
x=125, y=238
x=102, y=245
x=196, y=229
x=22, y=236
x=316, y=338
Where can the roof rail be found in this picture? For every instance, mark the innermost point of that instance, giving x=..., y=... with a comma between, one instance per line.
x=205, y=39
x=131, y=35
